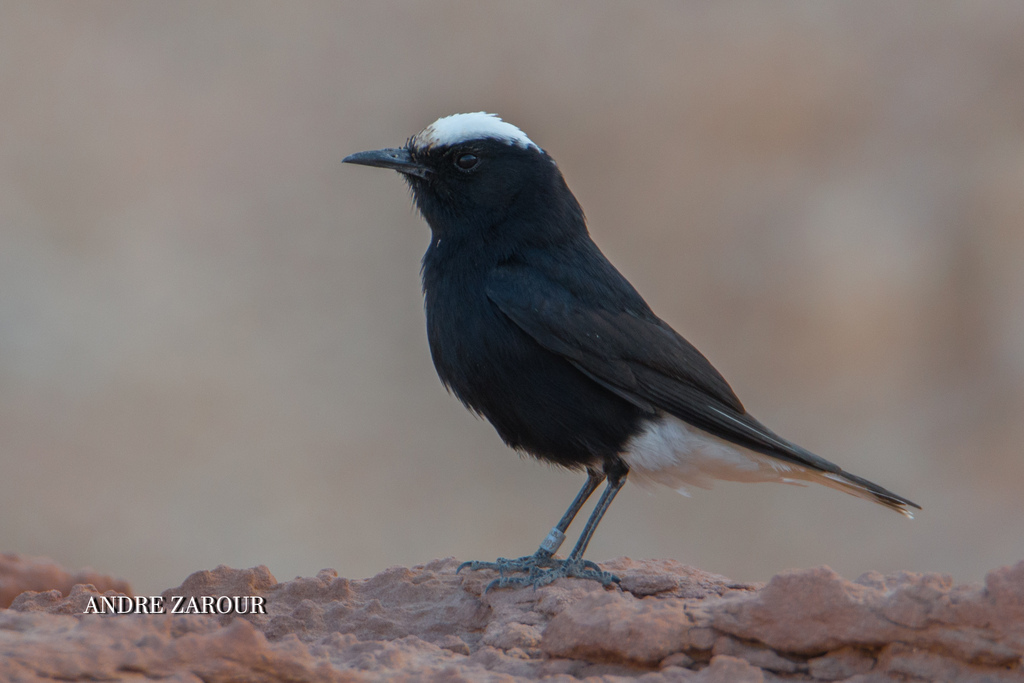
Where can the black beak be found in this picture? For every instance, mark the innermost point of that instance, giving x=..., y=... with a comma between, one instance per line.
x=397, y=159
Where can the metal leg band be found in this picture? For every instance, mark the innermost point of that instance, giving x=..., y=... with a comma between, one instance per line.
x=553, y=541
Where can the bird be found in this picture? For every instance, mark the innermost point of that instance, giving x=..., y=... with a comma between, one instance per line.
x=531, y=326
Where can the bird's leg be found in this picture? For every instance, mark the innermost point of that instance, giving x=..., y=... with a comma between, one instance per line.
x=549, y=546
x=575, y=565
x=556, y=536
x=616, y=480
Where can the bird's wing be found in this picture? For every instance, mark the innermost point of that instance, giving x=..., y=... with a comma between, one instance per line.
x=638, y=357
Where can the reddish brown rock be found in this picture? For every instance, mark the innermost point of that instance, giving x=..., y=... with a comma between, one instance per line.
x=666, y=622
x=20, y=573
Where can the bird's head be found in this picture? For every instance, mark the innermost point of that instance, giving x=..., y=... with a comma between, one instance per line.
x=474, y=176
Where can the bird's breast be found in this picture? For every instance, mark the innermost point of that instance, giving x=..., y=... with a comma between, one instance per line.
x=536, y=400
x=471, y=342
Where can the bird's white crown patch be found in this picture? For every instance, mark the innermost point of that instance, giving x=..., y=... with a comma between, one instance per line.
x=451, y=130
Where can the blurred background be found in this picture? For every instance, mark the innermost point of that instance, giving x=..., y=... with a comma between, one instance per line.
x=212, y=344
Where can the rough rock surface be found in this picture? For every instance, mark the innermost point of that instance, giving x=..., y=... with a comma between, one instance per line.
x=20, y=573
x=665, y=622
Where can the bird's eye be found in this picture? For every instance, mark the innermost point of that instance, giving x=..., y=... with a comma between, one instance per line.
x=467, y=161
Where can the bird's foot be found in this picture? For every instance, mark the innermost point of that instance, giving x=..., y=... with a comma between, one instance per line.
x=529, y=564
x=579, y=569
x=541, y=569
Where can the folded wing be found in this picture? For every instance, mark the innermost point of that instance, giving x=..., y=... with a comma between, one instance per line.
x=635, y=355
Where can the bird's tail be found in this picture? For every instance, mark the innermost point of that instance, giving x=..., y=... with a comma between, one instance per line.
x=862, y=488
x=828, y=473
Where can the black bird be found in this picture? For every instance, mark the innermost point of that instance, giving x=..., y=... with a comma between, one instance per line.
x=533, y=328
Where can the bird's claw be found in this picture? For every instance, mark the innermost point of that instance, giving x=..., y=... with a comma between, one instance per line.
x=529, y=564
x=540, y=569
x=561, y=569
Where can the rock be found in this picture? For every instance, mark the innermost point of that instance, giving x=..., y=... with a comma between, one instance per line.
x=665, y=622
x=725, y=669
x=841, y=664
x=814, y=611
x=20, y=573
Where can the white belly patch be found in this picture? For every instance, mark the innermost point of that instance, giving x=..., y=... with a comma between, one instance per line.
x=676, y=454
